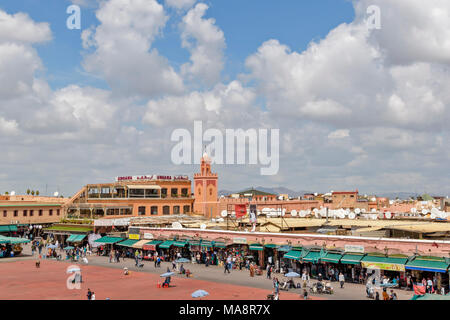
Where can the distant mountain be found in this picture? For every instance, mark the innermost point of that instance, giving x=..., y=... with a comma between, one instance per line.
x=400, y=195
x=273, y=190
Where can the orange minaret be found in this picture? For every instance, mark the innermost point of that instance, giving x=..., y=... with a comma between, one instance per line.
x=205, y=189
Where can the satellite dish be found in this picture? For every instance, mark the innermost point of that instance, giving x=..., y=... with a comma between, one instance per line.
x=203, y=226
x=357, y=210
x=373, y=210
x=391, y=201
x=380, y=215
x=294, y=213
x=176, y=225
x=56, y=194
x=13, y=193
x=424, y=211
x=352, y=215
x=388, y=215
x=363, y=210
x=302, y=213
x=224, y=213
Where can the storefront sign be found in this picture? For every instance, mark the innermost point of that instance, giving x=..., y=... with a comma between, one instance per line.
x=240, y=240
x=148, y=236
x=152, y=177
x=383, y=266
x=134, y=236
x=353, y=248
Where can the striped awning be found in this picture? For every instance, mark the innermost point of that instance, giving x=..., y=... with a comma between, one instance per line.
x=140, y=244
x=8, y=228
x=109, y=240
x=76, y=237
x=256, y=247
x=293, y=254
x=219, y=244
x=180, y=244
x=127, y=243
x=166, y=244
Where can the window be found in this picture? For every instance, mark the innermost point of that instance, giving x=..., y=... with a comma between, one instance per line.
x=184, y=192
x=16, y=213
x=5, y=213
x=186, y=209
x=174, y=192
x=141, y=211
x=31, y=213
x=176, y=209
x=25, y=213
x=40, y=213
x=124, y=212
x=57, y=212
x=166, y=210
x=163, y=192
x=154, y=210
x=199, y=191
x=50, y=212
x=210, y=191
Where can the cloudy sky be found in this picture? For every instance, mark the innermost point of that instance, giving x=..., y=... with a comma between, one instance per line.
x=356, y=107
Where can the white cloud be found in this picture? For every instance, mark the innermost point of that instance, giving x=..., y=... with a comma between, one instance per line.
x=206, y=43
x=339, y=134
x=180, y=4
x=123, y=54
x=20, y=28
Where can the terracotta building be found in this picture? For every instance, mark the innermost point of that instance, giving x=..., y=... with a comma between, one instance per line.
x=205, y=189
x=133, y=196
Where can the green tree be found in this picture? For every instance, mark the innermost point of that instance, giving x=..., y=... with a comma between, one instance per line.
x=32, y=192
x=6, y=192
x=28, y=191
x=37, y=192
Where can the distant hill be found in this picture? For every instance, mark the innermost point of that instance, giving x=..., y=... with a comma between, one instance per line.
x=273, y=190
x=295, y=194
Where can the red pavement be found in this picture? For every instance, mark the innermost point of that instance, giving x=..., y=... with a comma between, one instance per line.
x=21, y=280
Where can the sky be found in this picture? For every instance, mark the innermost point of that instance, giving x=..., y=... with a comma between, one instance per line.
x=356, y=107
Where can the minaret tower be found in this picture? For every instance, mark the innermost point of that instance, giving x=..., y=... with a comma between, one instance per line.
x=205, y=189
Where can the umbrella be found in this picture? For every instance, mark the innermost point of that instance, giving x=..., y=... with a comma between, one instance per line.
x=167, y=274
x=52, y=246
x=182, y=260
x=69, y=248
x=200, y=294
x=292, y=275
x=73, y=269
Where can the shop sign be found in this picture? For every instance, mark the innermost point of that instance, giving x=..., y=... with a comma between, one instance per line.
x=383, y=266
x=353, y=248
x=240, y=240
x=151, y=177
x=148, y=236
x=134, y=236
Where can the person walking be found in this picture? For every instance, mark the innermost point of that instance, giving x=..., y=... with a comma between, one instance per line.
x=341, y=280
x=89, y=294
x=305, y=278
x=227, y=269
x=269, y=271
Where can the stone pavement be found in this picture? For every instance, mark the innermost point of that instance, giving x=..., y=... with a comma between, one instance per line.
x=214, y=274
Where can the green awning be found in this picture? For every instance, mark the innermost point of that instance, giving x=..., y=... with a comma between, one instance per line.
x=383, y=259
x=76, y=237
x=219, y=244
x=297, y=248
x=194, y=242
x=180, y=244
x=206, y=244
x=312, y=256
x=13, y=240
x=154, y=242
x=332, y=257
x=428, y=264
x=256, y=247
x=349, y=258
x=69, y=229
x=293, y=254
x=8, y=228
x=127, y=243
x=271, y=246
x=109, y=240
x=284, y=248
x=166, y=244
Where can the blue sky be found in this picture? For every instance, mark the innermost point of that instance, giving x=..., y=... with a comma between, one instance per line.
x=246, y=25
x=353, y=104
